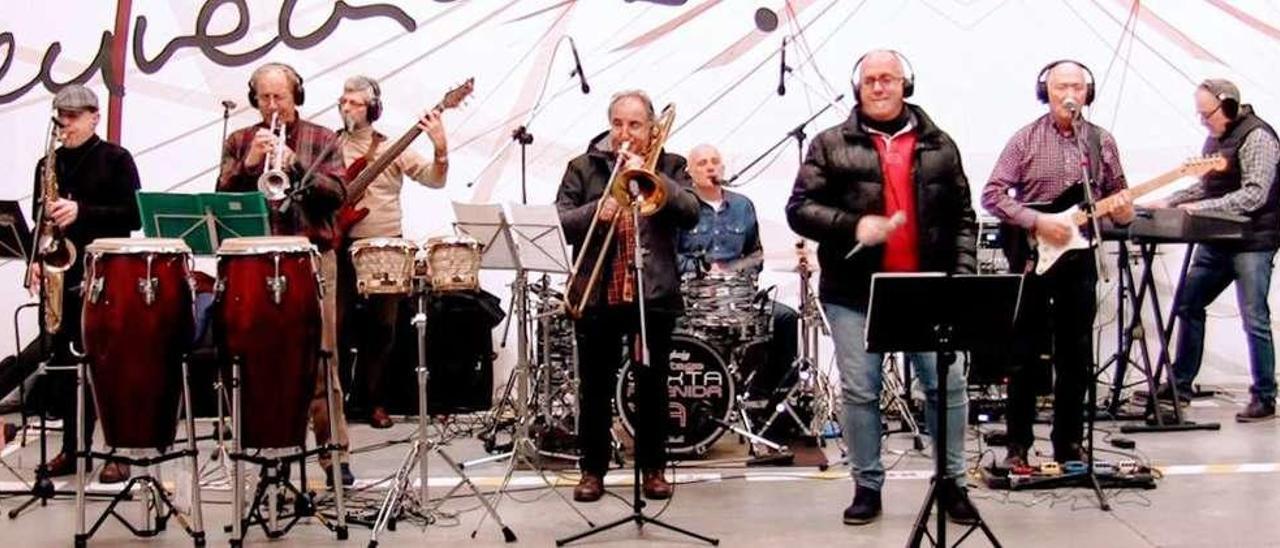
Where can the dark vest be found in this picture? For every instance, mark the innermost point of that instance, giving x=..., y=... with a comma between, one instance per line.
x=1264, y=223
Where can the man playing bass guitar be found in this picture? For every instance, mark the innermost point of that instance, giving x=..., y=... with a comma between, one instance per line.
x=372, y=209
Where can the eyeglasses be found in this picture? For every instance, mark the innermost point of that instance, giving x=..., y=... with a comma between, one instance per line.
x=352, y=102
x=1210, y=114
x=885, y=80
x=270, y=98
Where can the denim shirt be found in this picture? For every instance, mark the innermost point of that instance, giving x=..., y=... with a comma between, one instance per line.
x=727, y=234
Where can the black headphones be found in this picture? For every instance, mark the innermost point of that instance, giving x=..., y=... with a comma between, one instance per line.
x=908, y=82
x=374, y=109
x=299, y=94
x=1042, y=81
x=1230, y=107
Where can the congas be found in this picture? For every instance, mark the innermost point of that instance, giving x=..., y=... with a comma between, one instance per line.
x=453, y=263
x=138, y=322
x=267, y=319
x=383, y=265
x=700, y=389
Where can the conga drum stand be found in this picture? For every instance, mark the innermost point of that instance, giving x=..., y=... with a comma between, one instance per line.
x=401, y=498
x=157, y=504
x=273, y=481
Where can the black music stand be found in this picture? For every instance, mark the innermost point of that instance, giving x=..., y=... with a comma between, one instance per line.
x=934, y=312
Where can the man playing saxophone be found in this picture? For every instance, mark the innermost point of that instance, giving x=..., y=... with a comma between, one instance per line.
x=307, y=160
x=96, y=182
x=609, y=310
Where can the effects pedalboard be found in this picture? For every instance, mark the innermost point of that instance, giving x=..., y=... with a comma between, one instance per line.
x=1125, y=473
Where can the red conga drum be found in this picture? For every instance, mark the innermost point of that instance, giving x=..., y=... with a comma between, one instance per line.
x=268, y=320
x=138, y=322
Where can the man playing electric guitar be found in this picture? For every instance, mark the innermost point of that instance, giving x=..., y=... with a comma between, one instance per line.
x=1042, y=161
x=373, y=210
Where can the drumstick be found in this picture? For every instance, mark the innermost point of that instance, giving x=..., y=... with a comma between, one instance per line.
x=898, y=219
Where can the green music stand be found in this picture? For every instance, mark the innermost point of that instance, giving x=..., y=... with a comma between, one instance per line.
x=203, y=220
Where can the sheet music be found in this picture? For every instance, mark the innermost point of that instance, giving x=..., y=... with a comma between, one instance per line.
x=485, y=223
x=538, y=238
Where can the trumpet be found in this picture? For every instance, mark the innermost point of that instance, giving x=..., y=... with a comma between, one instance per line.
x=640, y=186
x=274, y=182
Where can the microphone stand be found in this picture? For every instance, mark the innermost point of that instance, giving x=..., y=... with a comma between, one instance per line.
x=797, y=132
x=1079, y=127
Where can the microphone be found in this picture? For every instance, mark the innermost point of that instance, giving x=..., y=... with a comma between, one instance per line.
x=1071, y=105
x=766, y=19
x=228, y=104
x=577, y=68
x=782, y=69
x=898, y=219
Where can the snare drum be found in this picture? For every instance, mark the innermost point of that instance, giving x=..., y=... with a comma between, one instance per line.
x=453, y=263
x=268, y=320
x=383, y=265
x=721, y=307
x=138, y=322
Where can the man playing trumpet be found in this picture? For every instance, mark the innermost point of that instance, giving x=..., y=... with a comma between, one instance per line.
x=309, y=160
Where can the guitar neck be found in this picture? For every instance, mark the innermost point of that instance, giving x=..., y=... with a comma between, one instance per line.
x=1108, y=204
x=357, y=187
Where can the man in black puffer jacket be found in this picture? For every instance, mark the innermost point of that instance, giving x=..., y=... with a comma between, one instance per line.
x=891, y=180
x=611, y=311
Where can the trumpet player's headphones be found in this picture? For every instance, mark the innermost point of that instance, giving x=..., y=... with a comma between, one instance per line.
x=1042, y=81
x=299, y=94
x=373, y=110
x=908, y=81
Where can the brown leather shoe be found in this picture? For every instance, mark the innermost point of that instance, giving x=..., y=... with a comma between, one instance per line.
x=589, y=489
x=61, y=464
x=113, y=472
x=380, y=419
x=655, y=486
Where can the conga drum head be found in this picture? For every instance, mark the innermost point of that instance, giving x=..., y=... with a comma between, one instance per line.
x=258, y=245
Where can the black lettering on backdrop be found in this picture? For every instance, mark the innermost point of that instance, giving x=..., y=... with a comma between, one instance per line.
x=200, y=38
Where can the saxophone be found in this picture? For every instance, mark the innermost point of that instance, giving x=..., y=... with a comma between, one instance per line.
x=55, y=253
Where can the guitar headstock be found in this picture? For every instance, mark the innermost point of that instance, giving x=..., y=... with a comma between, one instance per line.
x=458, y=94
x=1202, y=165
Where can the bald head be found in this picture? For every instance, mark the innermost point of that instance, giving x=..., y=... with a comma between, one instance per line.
x=705, y=167
x=881, y=89
x=1066, y=80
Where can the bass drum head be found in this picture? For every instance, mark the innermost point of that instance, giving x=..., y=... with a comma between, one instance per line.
x=700, y=389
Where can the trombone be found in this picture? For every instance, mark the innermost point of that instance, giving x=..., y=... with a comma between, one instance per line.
x=650, y=195
x=274, y=182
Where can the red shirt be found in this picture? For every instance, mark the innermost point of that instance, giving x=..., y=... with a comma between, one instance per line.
x=897, y=155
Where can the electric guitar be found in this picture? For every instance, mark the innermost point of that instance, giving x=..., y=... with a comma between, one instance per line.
x=361, y=173
x=1066, y=207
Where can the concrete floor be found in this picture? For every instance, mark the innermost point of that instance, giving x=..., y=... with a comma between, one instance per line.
x=1230, y=502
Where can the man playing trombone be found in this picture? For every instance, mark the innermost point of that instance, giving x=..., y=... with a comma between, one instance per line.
x=305, y=156
x=607, y=311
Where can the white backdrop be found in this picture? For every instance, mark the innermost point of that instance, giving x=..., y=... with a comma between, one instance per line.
x=976, y=62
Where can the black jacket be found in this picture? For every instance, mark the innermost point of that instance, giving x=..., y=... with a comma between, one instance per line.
x=840, y=181
x=1264, y=222
x=584, y=184
x=102, y=178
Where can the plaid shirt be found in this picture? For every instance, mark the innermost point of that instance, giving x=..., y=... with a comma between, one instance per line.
x=308, y=141
x=1258, y=158
x=1039, y=163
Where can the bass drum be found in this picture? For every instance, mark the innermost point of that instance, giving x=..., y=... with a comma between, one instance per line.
x=701, y=390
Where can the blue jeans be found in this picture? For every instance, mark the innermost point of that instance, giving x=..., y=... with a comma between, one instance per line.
x=860, y=383
x=1212, y=270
